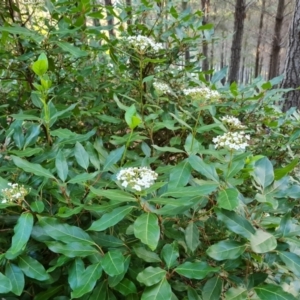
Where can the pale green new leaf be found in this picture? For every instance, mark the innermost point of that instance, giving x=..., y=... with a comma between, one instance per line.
x=226, y=250
x=262, y=242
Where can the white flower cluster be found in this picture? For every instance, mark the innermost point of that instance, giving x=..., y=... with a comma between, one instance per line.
x=14, y=193
x=232, y=140
x=143, y=44
x=137, y=178
x=162, y=88
x=205, y=94
x=232, y=122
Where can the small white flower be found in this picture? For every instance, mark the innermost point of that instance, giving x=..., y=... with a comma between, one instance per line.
x=162, y=88
x=232, y=140
x=202, y=94
x=143, y=44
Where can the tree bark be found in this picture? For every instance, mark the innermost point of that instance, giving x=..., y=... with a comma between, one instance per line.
x=259, y=38
x=292, y=62
x=110, y=17
x=236, y=46
x=184, y=6
x=205, y=62
x=274, y=58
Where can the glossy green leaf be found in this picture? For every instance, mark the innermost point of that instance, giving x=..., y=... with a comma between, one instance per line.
x=49, y=293
x=16, y=277
x=180, y=175
x=26, y=152
x=82, y=157
x=292, y=261
x=40, y=67
x=112, y=218
x=212, y=289
x=113, y=157
x=21, y=235
x=88, y=280
x=206, y=170
x=262, y=242
x=151, y=276
x=61, y=166
x=146, y=255
x=113, y=262
x=236, y=223
x=263, y=172
x=5, y=284
x=228, y=199
x=36, y=169
x=197, y=270
x=32, y=268
x=226, y=250
x=37, y=206
x=75, y=272
x=83, y=177
x=271, y=291
x=126, y=287
x=236, y=293
x=99, y=292
x=64, y=232
x=192, y=294
x=192, y=236
x=72, y=249
x=169, y=254
x=161, y=290
x=146, y=229
x=74, y=51
x=114, y=195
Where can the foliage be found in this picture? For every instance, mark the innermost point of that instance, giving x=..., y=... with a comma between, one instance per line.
x=79, y=107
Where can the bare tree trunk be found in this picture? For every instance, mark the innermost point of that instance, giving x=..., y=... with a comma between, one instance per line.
x=260, y=28
x=223, y=56
x=205, y=62
x=236, y=46
x=274, y=58
x=292, y=63
x=110, y=17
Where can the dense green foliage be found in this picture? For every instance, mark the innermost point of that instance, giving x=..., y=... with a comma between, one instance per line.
x=78, y=107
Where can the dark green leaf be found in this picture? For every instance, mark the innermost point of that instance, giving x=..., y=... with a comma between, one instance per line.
x=16, y=277
x=83, y=178
x=197, y=270
x=75, y=272
x=161, y=290
x=113, y=158
x=212, y=289
x=146, y=229
x=113, y=263
x=146, y=255
x=61, y=166
x=170, y=254
x=271, y=291
x=5, y=284
x=74, y=51
x=180, y=175
x=114, y=195
x=280, y=173
x=126, y=287
x=263, y=172
x=192, y=236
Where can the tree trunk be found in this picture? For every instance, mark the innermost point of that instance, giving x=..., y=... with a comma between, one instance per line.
x=129, y=12
x=260, y=28
x=292, y=62
x=184, y=6
x=205, y=62
x=274, y=58
x=110, y=17
x=236, y=46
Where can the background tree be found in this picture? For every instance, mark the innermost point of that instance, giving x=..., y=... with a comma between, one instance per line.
x=292, y=63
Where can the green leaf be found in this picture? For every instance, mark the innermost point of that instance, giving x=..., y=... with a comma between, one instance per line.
x=226, y=250
x=234, y=168
x=217, y=76
x=292, y=261
x=167, y=149
x=146, y=255
x=181, y=121
x=212, y=289
x=206, y=170
x=113, y=158
x=111, y=219
x=161, y=290
x=5, y=284
x=263, y=172
x=21, y=235
x=49, y=293
x=262, y=242
x=236, y=293
x=113, y=263
x=27, y=152
x=83, y=178
x=151, y=276
x=75, y=272
x=32, y=268
x=228, y=199
x=36, y=169
x=146, y=229
x=237, y=224
x=271, y=291
x=72, y=249
x=192, y=294
x=169, y=254
x=280, y=173
x=64, y=232
x=74, y=51
x=114, y=195
x=130, y=117
x=192, y=236
x=37, y=206
x=61, y=166
x=16, y=277
x=87, y=280
x=99, y=291
x=40, y=67
x=180, y=175
x=197, y=270
x=82, y=157
x=126, y=287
